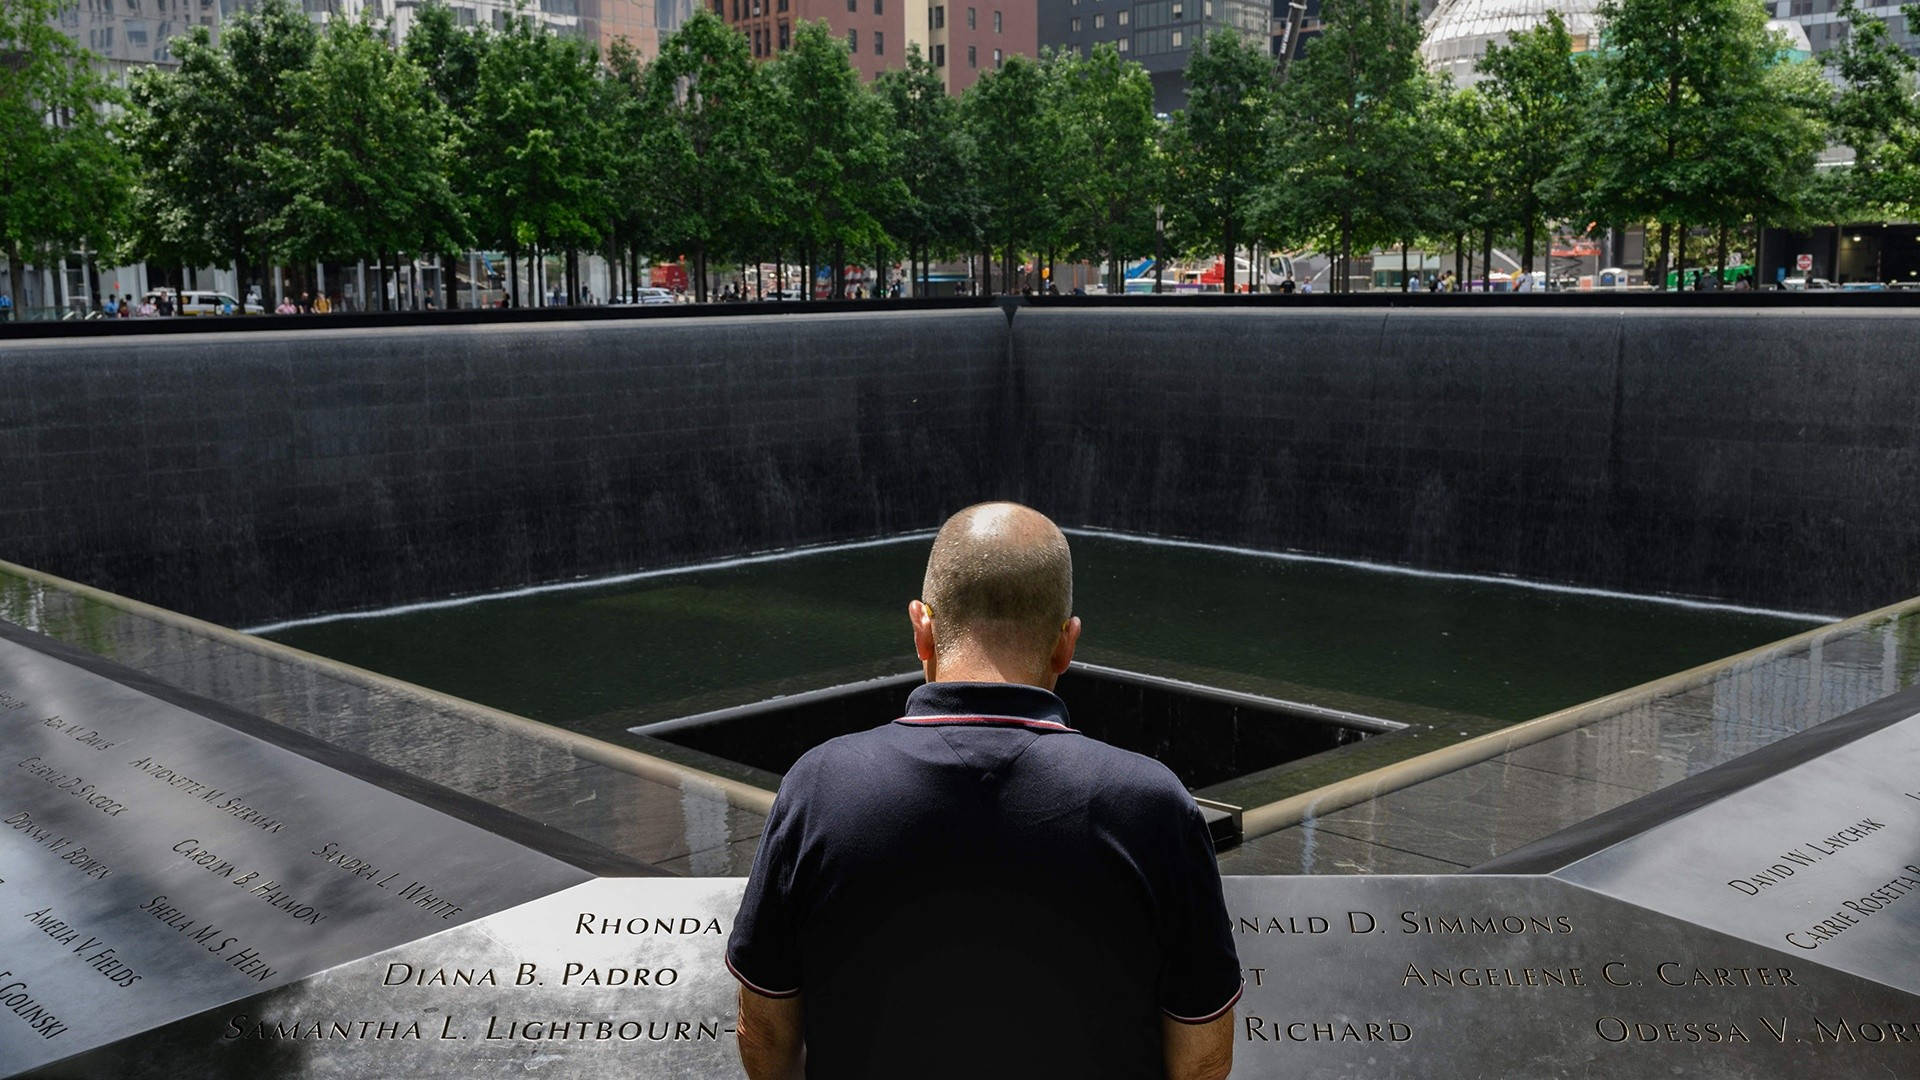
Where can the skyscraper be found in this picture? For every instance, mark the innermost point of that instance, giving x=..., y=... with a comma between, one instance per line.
x=1157, y=34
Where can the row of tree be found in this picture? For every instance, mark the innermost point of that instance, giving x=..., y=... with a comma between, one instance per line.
x=288, y=143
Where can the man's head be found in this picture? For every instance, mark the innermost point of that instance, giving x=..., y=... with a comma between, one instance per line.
x=997, y=602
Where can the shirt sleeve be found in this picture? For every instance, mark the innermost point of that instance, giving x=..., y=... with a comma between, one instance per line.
x=763, y=951
x=1200, y=972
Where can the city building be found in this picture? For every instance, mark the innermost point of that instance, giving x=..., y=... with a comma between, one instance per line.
x=1458, y=31
x=1826, y=28
x=965, y=38
x=1157, y=34
x=961, y=39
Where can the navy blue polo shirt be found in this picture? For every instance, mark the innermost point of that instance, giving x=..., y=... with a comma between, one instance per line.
x=976, y=889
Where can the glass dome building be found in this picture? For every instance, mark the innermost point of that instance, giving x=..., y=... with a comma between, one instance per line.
x=1458, y=30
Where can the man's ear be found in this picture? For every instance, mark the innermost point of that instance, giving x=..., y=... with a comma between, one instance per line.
x=921, y=616
x=1064, y=644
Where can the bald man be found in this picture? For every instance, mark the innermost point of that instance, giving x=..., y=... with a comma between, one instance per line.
x=976, y=889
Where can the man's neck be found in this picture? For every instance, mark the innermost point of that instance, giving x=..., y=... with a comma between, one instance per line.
x=986, y=669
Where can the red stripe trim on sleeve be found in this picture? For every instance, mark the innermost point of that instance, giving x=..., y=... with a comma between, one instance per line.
x=757, y=988
x=1215, y=1014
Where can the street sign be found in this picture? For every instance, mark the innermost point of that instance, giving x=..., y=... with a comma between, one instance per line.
x=1803, y=263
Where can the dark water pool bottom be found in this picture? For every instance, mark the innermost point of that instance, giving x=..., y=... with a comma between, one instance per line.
x=1206, y=735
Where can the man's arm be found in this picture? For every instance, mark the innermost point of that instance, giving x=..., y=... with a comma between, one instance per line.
x=1196, y=1051
x=771, y=1039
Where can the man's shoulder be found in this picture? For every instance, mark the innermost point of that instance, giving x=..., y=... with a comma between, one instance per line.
x=1130, y=775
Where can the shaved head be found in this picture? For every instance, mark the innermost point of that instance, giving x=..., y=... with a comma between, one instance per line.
x=1000, y=578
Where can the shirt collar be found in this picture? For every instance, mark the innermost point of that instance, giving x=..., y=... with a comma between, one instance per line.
x=985, y=703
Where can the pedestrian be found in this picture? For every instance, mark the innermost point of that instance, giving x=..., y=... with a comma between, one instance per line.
x=321, y=305
x=110, y=307
x=1288, y=285
x=166, y=305
x=981, y=862
x=147, y=308
x=286, y=307
x=6, y=307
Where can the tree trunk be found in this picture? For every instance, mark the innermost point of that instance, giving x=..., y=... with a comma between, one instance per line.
x=1680, y=260
x=986, y=271
x=1721, y=270
x=16, y=274
x=839, y=269
x=1404, y=284
x=1526, y=245
x=1226, y=269
x=1459, y=259
x=513, y=275
x=1660, y=265
x=1486, y=259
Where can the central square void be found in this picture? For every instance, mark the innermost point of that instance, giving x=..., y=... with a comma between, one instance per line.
x=1206, y=735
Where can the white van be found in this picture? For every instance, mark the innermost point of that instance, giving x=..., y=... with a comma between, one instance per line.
x=208, y=302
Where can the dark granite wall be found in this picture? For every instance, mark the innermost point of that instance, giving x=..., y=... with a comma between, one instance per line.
x=252, y=476
x=1759, y=455
x=1763, y=456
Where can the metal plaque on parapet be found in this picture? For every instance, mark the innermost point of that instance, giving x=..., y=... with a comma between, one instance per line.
x=1820, y=860
x=1361, y=977
x=161, y=855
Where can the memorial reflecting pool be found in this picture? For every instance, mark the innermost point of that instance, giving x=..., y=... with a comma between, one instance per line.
x=1453, y=657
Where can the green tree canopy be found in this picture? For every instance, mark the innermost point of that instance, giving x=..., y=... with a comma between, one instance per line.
x=1220, y=142
x=1356, y=133
x=1538, y=99
x=364, y=171
x=1702, y=118
x=1106, y=132
x=703, y=135
x=201, y=137
x=837, y=151
x=1875, y=113
x=63, y=177
x=939, y=204
x=1003, y=115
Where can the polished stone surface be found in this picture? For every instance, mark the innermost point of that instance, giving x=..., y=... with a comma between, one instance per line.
x=1347, y=977
x=422, y=734
x=160, y=858
x=1767, y=456
x=1761, y=455
x=1472, y=815
x=1458, y=820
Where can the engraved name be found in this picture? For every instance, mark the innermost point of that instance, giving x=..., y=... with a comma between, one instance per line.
x=220, y=799
x=589, y=923
x=75, y=786
x=1855, y=911
x=76, y=857
x=15, y=999
x=1798, y=858
x=1260, y=1029
x=94, y=951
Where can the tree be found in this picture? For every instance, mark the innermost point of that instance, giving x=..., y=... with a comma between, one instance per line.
x=1005, y=121
x=1538, y=100
x=449, y=56
x=1105, y=134
x=365, y=169
x=1875, y=114
x=201, y=137
x=1701, y=118
x=837, y=153
x=1221, y=138
x=1356, y=133
x=938, y=203
x=62, y=174
x=702, y=111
